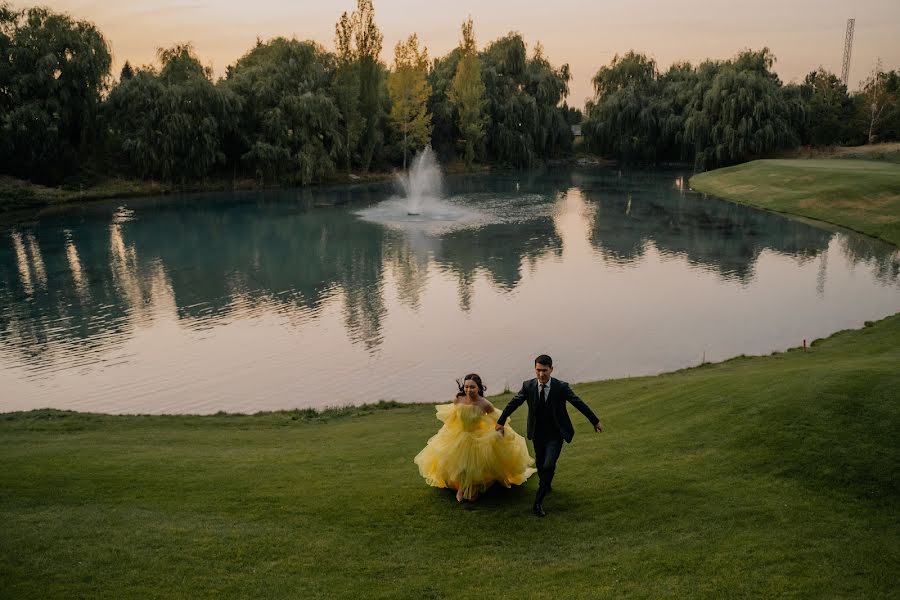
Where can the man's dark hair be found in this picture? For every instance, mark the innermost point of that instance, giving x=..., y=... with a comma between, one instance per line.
x=545, y=360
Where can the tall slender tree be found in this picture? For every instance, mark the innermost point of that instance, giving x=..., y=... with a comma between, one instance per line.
x=874, y=92
x=367, y=40
x=467, y=93
x=346, y=87
x=409, y=90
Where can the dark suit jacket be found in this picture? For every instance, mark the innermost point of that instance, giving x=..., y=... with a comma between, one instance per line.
x=560, y=393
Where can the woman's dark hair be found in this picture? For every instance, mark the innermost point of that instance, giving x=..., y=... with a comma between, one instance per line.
x=474, y=377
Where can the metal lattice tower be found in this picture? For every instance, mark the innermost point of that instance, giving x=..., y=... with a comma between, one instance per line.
x=848, y=46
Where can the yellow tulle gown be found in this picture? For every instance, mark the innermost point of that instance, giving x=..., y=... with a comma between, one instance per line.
x=467, y=454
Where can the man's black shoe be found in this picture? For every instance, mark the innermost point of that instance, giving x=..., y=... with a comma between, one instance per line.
x=539, y=510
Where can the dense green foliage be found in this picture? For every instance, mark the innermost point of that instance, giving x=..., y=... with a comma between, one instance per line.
x=830, y=109
x=53, y=73
x=291, y=111
x=523, y=96
x=624, y=120
x=289, y=127
x=409, y=91
x=466, y=95
x=370, y=76
x=764, y=477
x=170, y=124
x=725, y=112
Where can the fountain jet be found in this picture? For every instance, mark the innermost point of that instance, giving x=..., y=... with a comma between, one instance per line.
x=422, y=183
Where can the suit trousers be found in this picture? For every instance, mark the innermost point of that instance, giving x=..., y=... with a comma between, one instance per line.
x=546, y=453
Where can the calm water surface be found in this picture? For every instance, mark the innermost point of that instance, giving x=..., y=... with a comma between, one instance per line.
x=313, y=298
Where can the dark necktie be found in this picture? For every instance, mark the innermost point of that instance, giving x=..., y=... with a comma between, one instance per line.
x=543, y=392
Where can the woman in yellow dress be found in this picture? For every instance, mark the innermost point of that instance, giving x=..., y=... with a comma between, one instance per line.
x=467, y=454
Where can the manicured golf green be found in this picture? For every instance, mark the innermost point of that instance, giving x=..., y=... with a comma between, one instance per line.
x=863, y=195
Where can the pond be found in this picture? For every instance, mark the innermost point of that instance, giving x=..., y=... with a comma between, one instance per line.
x=250, y=301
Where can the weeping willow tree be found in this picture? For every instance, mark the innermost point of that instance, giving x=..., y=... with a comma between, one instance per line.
x=676, y=88
x=623, y=118
x=521, y=95
x=409, y=91
x=513, y=113
x=738, y=111
x=290, y=122
x=170, y=124
x=719, y=113
x=549, y=87
x=466, y=94
x=53, y=73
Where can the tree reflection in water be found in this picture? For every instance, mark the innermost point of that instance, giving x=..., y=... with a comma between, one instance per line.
x=74, y=286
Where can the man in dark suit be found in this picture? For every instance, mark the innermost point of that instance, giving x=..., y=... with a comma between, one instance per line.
x=548, y=421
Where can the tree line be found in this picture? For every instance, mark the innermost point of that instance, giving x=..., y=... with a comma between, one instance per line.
x=291, y=111
x=723, y=112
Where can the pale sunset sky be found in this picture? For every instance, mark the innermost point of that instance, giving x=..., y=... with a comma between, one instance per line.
x=803, y=34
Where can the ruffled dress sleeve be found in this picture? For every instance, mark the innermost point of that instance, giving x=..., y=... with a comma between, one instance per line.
x=447, y=413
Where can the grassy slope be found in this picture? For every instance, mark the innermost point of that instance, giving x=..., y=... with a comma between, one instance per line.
x=887, y=151
x=756, y=477
x=859, y=194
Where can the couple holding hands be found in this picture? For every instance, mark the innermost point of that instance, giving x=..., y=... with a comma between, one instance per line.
x=475, y=448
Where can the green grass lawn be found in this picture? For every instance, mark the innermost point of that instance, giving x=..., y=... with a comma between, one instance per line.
x=859, y=194
x=763, y=477
x=758, y=477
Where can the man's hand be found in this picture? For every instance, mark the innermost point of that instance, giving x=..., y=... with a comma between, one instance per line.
x=598, y=427
x=500, y=428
